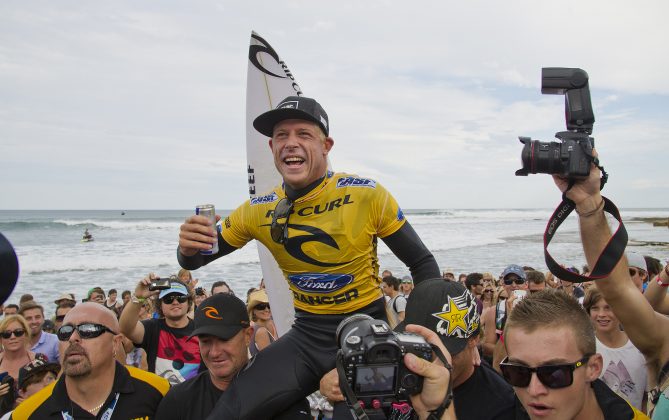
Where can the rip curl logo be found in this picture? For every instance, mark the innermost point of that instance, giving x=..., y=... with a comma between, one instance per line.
x=458, y=317
x=320, y=282
x=264, y=199
x=293, y=244
x=264, y=47
x=211, y=312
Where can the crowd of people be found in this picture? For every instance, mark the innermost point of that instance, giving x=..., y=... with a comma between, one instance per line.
x=521, y=344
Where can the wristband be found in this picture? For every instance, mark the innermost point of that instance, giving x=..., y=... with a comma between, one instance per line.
x=136, y=299
x=599, y=207
x=661, y=283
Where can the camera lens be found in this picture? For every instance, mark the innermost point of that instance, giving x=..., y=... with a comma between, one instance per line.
x=541, y=157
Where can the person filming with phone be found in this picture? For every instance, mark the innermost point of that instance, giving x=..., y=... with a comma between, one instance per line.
x=169, y=352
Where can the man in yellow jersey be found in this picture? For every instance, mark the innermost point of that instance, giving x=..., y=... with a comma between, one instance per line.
x=322, y=229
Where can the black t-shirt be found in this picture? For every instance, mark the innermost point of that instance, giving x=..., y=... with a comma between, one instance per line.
x=169, y=352
x=196, y=398
x=485, y=395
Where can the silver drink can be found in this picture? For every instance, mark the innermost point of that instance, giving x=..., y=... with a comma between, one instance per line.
x=208, y=210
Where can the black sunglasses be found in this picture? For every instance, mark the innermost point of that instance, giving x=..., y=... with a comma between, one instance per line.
x=516, y=280
x=278, y=230
x=17, y=333
x=261, y=306
x=170, y=298
x=552, y=376
x=634, y=272
x=86, y=331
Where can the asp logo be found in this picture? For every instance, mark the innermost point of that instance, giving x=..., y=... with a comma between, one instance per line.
x=264, y=199
x=351, y=181
x=320, y=282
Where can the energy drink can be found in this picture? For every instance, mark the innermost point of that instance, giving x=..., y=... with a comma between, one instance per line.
x=208, y=210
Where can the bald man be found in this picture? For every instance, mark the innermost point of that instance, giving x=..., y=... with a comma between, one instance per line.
x=93, y=383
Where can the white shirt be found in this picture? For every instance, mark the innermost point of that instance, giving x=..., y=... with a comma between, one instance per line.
x=624, y=371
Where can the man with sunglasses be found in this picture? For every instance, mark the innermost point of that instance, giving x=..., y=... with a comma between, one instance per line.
x=169, y=352
x=93, y=384
x=322, y=229
x=553, y=365
x=513, y=278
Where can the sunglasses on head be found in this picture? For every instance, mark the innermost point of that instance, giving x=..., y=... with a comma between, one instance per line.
x=170, y=298
x=279, y=230
x=86, y=331
x=17, y=333
x=261, y=306
x=516, y=280
x=552, y=376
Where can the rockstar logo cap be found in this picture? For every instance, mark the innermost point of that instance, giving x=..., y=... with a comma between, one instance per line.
x=445, y=307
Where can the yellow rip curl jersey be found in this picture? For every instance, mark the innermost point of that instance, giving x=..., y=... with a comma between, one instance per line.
x=329, y=259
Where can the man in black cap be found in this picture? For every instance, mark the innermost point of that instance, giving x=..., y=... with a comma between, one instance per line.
x=322, y=230
x=449, y=310
x=223, y=329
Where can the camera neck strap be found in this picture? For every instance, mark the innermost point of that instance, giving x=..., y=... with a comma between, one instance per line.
x=360, y=413
x=609, y=256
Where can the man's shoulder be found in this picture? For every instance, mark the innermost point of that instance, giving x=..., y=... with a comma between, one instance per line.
x=149, y=379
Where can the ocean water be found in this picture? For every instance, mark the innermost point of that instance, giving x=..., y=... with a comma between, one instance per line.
x=53, y=260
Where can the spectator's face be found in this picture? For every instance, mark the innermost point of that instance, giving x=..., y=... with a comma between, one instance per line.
x=387, y=290
x=262, y=311
x=174, y=310
x=126, y=299
x=449, y=276
x=637, y=276
x=60, y=315
x=112, y=297
x=406, y=288
x=550, y=346
x=221, y=289
x=35, y=319
x=97, y=297
x=602, y=317
x=36, y=386
x=81, y=357
x=225, y=358
x=10, y=311
x=199, y=299
x=14, y=343
x=513, y=282
x=533, y=287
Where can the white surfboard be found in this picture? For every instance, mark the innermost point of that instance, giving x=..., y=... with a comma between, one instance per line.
x=268, y=82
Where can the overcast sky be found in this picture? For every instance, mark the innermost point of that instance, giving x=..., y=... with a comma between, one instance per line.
x=141, y=104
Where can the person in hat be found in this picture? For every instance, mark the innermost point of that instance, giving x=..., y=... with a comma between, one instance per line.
x=35, y=376
x=165, y=339
x=449, y=310
x=406, y=286
x=638, y=270
x=264, y=331
x=93, y=384
x=224, y=332
x=321, y=227
x=65, y=298
x=513, y=278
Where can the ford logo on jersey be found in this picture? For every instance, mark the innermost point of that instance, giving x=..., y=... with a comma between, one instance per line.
x=264, y=199
x=320, y=282
x=351, y=181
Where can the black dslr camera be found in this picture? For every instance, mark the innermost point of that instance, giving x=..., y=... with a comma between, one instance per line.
x=571, y=157
x=372, y=358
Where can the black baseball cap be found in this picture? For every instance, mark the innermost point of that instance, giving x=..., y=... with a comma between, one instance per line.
x=445, y=307
x=40, y=364
x=293, y=107
x=222, y=315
